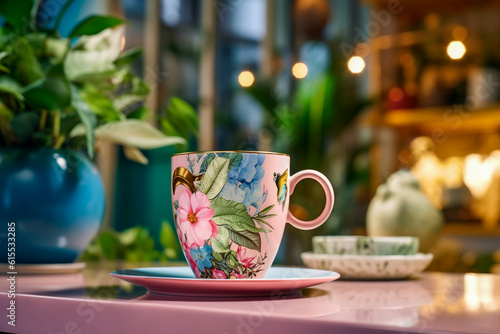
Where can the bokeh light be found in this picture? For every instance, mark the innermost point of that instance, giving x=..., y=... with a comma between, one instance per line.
x=246, y=79
x=456, y=50
x=459, y=33
x=396, y=94
x=356, y=64
x=299, y=70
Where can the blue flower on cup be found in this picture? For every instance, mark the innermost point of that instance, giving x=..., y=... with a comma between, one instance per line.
x=243, y=183
x=202, y=256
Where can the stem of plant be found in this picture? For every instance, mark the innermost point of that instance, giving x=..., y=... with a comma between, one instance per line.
x=5, y=129
x=60, y=141
x=56, y=128
x=43, y=119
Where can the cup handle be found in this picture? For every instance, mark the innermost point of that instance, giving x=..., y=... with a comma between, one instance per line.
x=330, y=199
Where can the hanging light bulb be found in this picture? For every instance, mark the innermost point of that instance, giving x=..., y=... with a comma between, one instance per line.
x=456, y=50
x=356, y=64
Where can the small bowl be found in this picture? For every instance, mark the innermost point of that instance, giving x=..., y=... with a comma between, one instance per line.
x=360, y=245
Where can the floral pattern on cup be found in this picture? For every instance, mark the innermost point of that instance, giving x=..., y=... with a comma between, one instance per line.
x=221, y=214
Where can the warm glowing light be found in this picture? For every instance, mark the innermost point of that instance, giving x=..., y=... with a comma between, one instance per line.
x=478, y=294
x=246, y=79
x=299, y=70
x=356, y=64
x=456, y=50
x=459, y=33
x=396, y=94
x=478, y=174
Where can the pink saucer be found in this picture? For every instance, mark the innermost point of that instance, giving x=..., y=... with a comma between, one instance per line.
x=180, y=281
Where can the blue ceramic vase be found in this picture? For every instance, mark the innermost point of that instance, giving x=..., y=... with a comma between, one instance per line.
x=56, y=200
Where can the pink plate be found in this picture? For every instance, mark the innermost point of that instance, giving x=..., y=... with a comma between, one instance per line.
x=180, y=281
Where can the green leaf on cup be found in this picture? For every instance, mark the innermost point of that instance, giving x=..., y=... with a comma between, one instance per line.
x=220, y=244
x=266, y=210
x=246, y=239
x=232, y=215
x=217, y=256
x=215, y=177
x=232, y=262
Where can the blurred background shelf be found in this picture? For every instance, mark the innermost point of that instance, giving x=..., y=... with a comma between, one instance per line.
x=468, y=229
x=452, y=119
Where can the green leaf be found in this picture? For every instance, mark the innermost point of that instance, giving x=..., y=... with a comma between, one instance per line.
x=55, y=48
x=51, y=93
x=128, y=57
x=26, y=68
x=133, y=133
x=93, y=56
x=181, y=119
x=141, y=113
x=134, y=154
x=169, y=240
x=87, y=118
x=24, y=125
x=232, y=215
x=265, y=210
x=100, y=104
x=232, y=262
x=217, y=256
x=220, y=244
x=4, y=111
x=262, y=224
x=17, y=13
x=42, y=139
x=110, y=245
x=215, y=177
x=247, y=239
x=262, y=221
x=80, y=65
x=11, y=86
x=235, y=159
x=94, y=24
x=129, y=236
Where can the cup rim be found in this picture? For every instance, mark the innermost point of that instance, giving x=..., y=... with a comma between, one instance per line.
x=232, y=151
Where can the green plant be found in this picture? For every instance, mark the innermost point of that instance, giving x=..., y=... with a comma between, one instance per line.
x=134, y=244
x=68, y=92
x=180, y=120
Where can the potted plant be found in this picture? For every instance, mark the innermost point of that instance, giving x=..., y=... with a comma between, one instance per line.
x=57, y=97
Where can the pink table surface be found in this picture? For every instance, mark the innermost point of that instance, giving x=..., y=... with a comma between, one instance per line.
x=428, y=303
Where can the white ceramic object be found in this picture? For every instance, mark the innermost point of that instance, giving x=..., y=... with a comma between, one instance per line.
x=369, y=266
x=399, y=208
x=361, y=245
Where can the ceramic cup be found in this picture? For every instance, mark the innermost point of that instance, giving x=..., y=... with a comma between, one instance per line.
x=361, y=245
x=231, y=208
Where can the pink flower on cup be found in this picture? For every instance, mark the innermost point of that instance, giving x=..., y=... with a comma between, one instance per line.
x=218, y=274
x=237, y=275
x=195, y=218
x=241, y=254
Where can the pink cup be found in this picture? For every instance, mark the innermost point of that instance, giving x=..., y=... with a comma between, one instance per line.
x=231, y=208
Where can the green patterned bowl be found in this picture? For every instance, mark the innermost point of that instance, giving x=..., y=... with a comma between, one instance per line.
x=360, y=245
